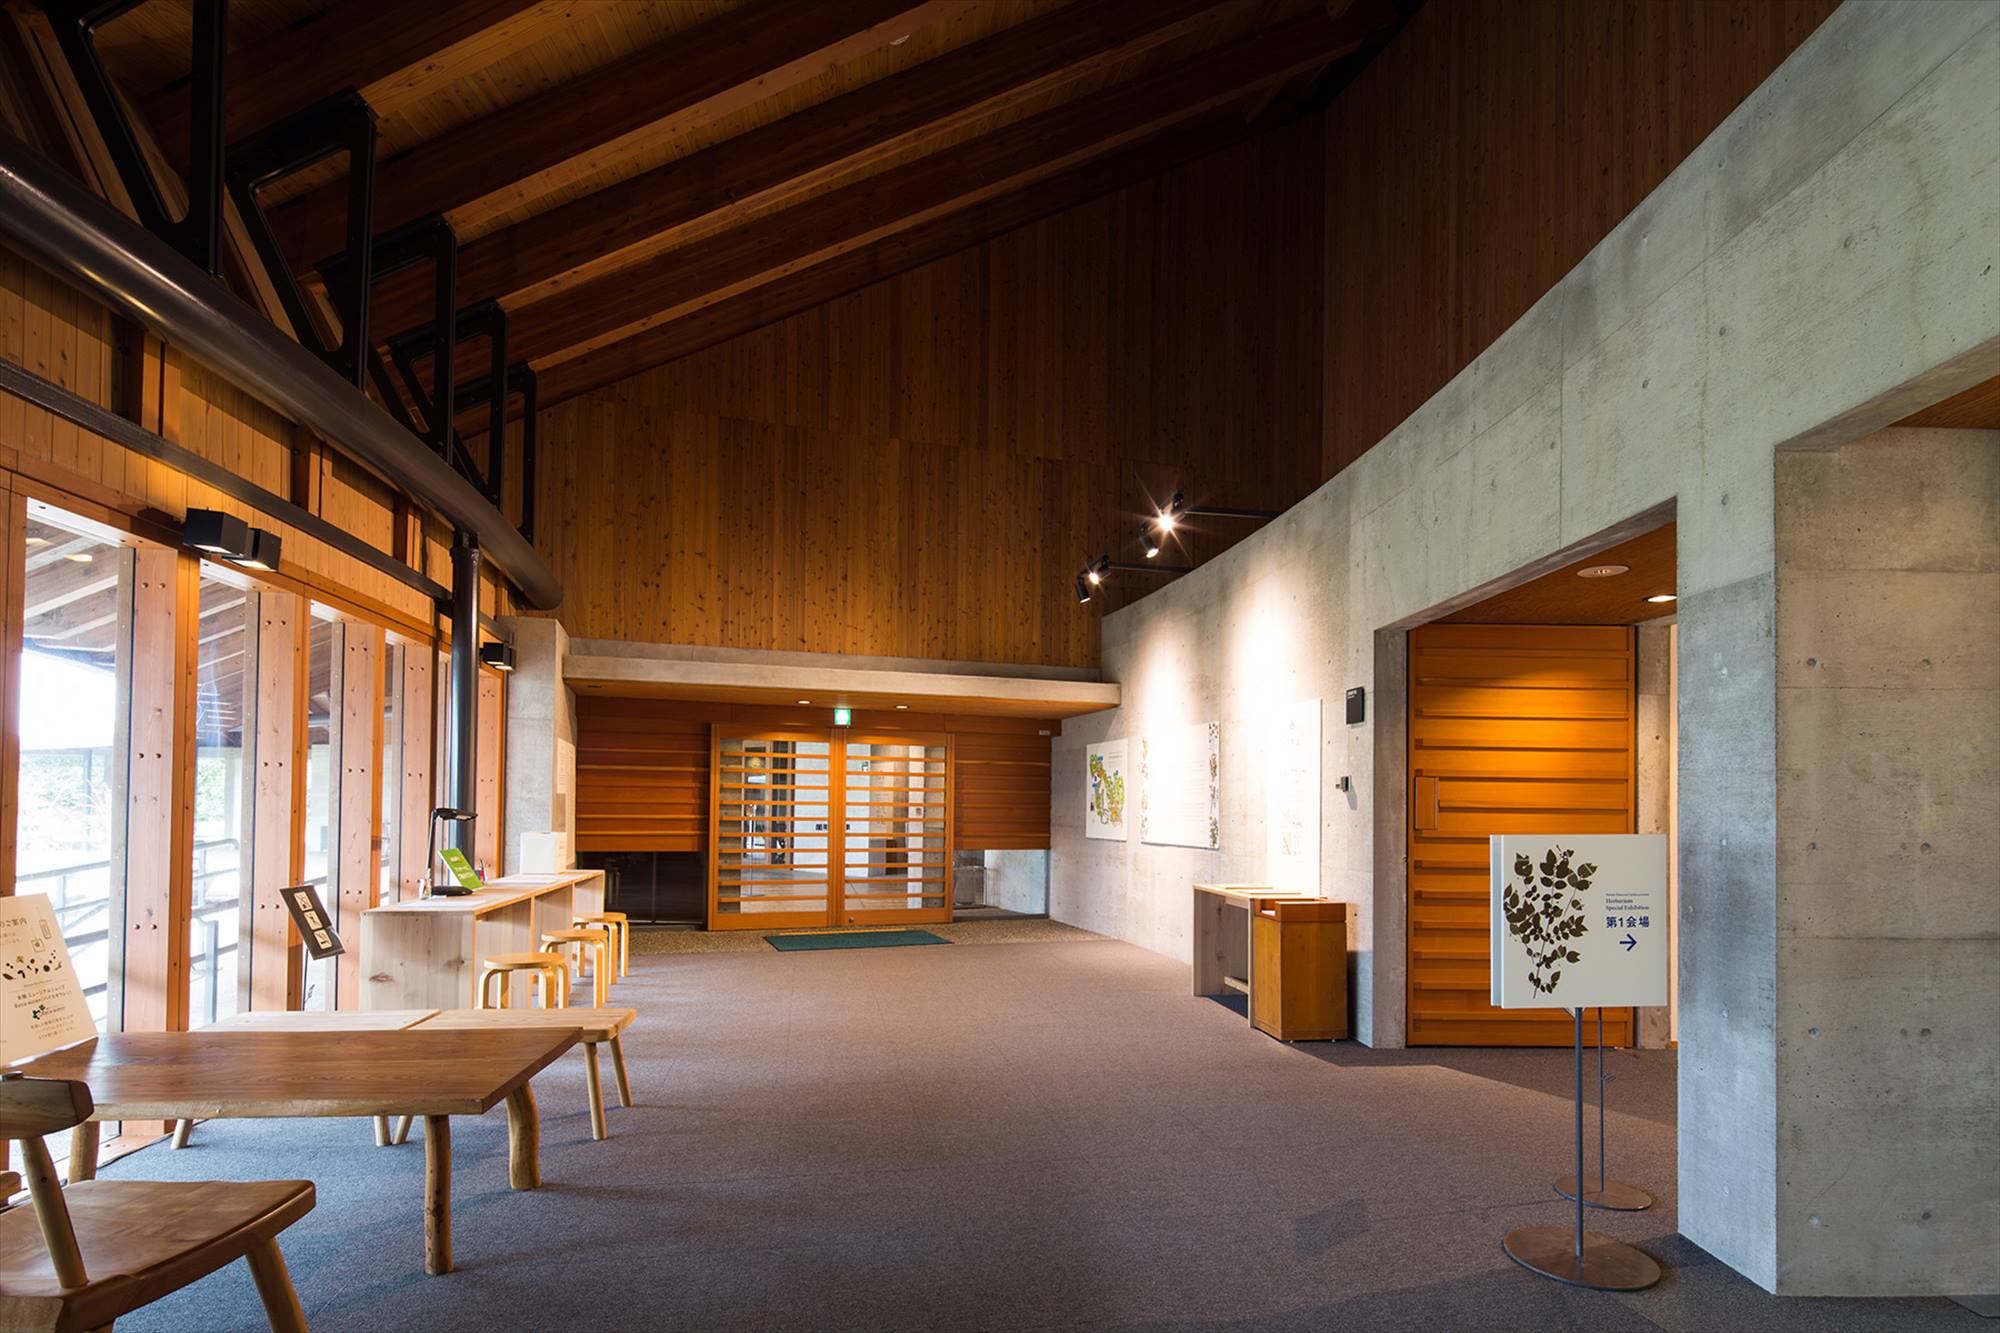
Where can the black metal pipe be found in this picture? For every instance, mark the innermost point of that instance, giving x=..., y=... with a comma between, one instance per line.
x=463, y=756
x=52, y=218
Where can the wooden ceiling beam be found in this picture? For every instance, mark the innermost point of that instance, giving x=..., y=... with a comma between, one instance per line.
x=577, y=127
x=351, y=44
x=775, y=160
x=673, y=285
x=911, y=249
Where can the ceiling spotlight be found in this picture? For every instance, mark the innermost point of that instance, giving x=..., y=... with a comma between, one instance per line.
x=1148, y=543
x=1660, y=597
x=1602, y=571
x=1082, y=588
x=1169, y=514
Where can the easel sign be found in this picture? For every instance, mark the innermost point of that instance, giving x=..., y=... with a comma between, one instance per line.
x=1579, y=920
x=41, y=1002
x=315, y=927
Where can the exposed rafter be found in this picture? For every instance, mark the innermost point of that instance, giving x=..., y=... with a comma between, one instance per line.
x=625, y=303
x=548, y=139
x=768, y=163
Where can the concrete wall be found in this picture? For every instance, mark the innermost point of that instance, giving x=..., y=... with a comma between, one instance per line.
x=1018, y=881
x=1888, y=618
x=1826, y=262
x=1654, y=752
x=541, y=737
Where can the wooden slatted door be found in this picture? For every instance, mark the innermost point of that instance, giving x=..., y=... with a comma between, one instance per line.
x=1513, y=729
x=895, y=854
x=773, y=805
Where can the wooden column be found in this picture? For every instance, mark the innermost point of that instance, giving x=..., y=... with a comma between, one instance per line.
x=159, y=809
x=357, y=800
x=489, y=835
x=13, y=520
x=277, y=976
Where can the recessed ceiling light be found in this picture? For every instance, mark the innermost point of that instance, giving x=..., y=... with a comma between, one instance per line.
x=80, y=557
x=1602, y=571
x=805, y=701
x=902, y=708
x=1659, y=597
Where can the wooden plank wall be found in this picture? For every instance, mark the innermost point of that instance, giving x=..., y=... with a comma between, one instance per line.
x=920, y=468
x=1486, y=150
x=642, y=771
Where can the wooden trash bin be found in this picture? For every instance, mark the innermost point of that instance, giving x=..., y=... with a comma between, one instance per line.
x=1298, y=968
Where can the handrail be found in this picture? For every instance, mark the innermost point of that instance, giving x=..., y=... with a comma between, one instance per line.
x=50, y=216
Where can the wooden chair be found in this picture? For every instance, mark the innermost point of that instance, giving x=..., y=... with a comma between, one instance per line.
x=620, y=927
x=551, y=968
x=145, y=1239
x=579, y=942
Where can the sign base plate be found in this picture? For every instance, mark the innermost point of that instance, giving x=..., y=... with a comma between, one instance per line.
x=1605, y=1264
x=1613, y=1196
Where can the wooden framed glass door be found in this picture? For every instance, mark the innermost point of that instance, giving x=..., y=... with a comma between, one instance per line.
x=813, y=828
x=772, y=808
x=895, y=853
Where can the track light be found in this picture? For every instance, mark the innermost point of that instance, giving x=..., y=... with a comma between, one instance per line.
x=1148, y=542
x=498, y=655
x=1169, y=515
x=1082, y=588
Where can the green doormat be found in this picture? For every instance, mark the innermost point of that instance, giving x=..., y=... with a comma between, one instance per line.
x=855, y=939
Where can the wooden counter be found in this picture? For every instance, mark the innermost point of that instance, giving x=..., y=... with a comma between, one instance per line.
x=425, y=953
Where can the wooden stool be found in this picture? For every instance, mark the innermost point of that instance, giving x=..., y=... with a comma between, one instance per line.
x=620, y=927
x=550, y=967
x=580, y=940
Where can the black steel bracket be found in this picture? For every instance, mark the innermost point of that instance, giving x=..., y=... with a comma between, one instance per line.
x=343, y=123
x=197, y=233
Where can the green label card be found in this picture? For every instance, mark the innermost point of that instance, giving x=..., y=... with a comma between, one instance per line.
x=461, y=869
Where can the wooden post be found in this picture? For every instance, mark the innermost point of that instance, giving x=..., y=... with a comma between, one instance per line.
x=13, y=521
x=413, y=714
x=277, y=972
x=159, y=814
x=357, y=813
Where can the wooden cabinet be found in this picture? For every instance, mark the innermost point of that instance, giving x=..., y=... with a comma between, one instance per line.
x=1298, y=973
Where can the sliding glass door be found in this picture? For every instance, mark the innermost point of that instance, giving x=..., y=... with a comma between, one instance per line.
x=818, y=829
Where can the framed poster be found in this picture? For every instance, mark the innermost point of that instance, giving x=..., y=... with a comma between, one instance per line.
x=42, y=1005
x=1180, y=786
x=1579, y=920
x=1104, y=791
x=1291, y=797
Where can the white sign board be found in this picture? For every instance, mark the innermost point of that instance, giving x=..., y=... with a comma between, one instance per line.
x=41, y=1001
x=1291, y=786
x=1579, y=920
x=1180, y=786
x=1104, y=791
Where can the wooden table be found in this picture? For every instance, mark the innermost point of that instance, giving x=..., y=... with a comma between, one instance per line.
x=1221, y=935
x=424, y=953
x=597, y=1025
x=224, y=1075
x=318, y=1020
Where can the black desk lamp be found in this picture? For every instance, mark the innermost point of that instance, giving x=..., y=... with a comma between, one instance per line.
x=441, y=888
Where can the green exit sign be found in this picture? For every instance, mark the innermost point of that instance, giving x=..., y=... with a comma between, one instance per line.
x=842, y=717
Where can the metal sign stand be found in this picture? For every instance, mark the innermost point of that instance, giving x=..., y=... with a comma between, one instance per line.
x=1611, y=1195
x=1581, y=1258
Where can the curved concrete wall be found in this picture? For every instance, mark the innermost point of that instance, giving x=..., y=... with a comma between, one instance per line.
x=1826, y=262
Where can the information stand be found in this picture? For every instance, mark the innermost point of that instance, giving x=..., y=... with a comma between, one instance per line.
x=1611, y=1195
x=1579, y=921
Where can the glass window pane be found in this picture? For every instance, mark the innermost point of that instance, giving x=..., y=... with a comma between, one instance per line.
x=322, y=776
x=75, y=698
x=223, y=792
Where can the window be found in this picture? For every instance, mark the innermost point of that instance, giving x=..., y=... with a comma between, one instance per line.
x=391, y=761
x=322, y=782
x=224, y=793
x=75, y=706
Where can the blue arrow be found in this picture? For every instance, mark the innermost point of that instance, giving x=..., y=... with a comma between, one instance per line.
x=1628, y=941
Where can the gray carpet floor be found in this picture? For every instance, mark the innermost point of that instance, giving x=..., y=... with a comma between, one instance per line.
x=1005, y=1136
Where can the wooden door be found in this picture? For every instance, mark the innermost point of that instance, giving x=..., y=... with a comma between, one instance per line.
x=773, y=806
x=895, y=849
x=1512, y=729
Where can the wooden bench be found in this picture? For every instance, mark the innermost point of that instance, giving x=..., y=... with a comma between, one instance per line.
x=597, y=1025
x=142, y=1239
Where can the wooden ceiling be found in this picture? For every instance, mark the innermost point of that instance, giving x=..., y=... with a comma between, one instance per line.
x=633, y=180
x=1564, y=598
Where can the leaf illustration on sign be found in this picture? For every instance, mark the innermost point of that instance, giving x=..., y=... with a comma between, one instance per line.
x=1544, y=912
